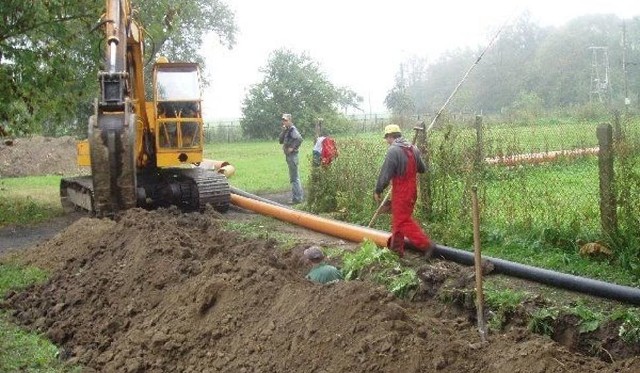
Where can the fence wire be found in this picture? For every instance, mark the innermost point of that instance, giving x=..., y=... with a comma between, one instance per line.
x=540, y=182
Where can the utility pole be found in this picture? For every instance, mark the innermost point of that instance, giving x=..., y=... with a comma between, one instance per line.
x=600, y=85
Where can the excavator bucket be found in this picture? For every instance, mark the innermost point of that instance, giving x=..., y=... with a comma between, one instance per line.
x=113, y=163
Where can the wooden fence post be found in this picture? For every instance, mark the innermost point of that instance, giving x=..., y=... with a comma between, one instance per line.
x=617, y=129
x=425, y=179
x=479, y=156
x=608, y=216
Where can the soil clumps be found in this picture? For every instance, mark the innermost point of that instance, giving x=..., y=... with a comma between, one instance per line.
x=162, y=291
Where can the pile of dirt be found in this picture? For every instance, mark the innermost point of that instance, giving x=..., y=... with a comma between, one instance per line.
x=161, y=291
x=40, y=155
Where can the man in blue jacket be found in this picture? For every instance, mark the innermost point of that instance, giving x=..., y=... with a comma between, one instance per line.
x=291, y=140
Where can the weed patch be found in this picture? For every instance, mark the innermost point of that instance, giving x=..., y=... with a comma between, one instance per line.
x=380, y=265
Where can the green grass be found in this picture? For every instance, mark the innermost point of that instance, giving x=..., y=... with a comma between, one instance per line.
x=539, y=137
x=260, y=166
x=523, y=197
x=526, y=221
x=381, y=266
x=263, y=228
x=29, y=200
x=503, y=301
x=15, y=277
x=22, y=351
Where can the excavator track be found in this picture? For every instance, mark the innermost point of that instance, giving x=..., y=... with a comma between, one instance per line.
x=76, y=193
x=189, y=189
x=202, y=187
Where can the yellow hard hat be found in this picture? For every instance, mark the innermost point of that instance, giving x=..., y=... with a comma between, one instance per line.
x=162, y=59
x=391, y=128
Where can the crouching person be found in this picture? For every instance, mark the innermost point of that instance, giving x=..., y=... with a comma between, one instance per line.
x=321, y=272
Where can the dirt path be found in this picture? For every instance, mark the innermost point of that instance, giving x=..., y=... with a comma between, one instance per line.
x=20, y=237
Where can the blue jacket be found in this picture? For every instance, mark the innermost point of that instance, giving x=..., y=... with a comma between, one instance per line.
x=290, y=138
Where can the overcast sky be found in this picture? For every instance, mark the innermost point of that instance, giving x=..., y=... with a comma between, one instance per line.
x=361, y=43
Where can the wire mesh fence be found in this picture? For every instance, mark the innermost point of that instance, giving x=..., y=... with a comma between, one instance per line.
x=231, y=131
x=542, y=182
x=222, y=132
x=228, y=131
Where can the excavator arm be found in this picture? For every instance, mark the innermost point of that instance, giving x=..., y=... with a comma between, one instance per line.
x=112, y=127
x=140, y=154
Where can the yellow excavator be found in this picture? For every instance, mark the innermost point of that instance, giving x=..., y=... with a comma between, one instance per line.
x=143, y=152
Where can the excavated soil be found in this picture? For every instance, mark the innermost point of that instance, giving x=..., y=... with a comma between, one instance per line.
x=162, y=291
x=38, y=155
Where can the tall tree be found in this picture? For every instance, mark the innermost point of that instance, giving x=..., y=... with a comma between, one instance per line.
x=400, y=100
x=41, y=61
x=564, y=61
x=50, y=52
x=293, y=83
x=505, y=71
x=176, y=28
x=527, y=66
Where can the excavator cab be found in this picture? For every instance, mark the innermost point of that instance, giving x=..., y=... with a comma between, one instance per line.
x=178, y=113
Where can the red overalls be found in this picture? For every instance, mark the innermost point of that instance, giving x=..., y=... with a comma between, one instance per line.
x=403, y=200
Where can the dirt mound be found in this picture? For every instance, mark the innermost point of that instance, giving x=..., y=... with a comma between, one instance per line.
x=161, y=291
x=40, y=155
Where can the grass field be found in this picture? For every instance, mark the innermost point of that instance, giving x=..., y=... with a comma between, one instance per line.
x=27, y=200
x=260, y=165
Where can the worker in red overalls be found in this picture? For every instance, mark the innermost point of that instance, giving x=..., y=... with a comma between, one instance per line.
x=400, y=167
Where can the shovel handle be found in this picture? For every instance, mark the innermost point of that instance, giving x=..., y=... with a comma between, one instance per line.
x=379, y=209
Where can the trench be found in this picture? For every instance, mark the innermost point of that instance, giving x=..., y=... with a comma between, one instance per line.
x=356, y=233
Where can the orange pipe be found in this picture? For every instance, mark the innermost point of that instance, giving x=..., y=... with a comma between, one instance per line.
x=346, y=231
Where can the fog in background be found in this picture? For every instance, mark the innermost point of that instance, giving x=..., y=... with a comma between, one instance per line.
x=361, y=44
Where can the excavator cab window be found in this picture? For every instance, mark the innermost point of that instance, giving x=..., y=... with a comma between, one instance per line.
x=178, y=105
x=179, y=125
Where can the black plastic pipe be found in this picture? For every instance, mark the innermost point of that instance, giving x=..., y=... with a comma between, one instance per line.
x=579, y=284
x=584, y=285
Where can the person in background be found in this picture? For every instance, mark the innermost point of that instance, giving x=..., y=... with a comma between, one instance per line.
x=317, y=149
x=324, y=150
x=321, y=272
x=401, y=165
x=291, y=140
